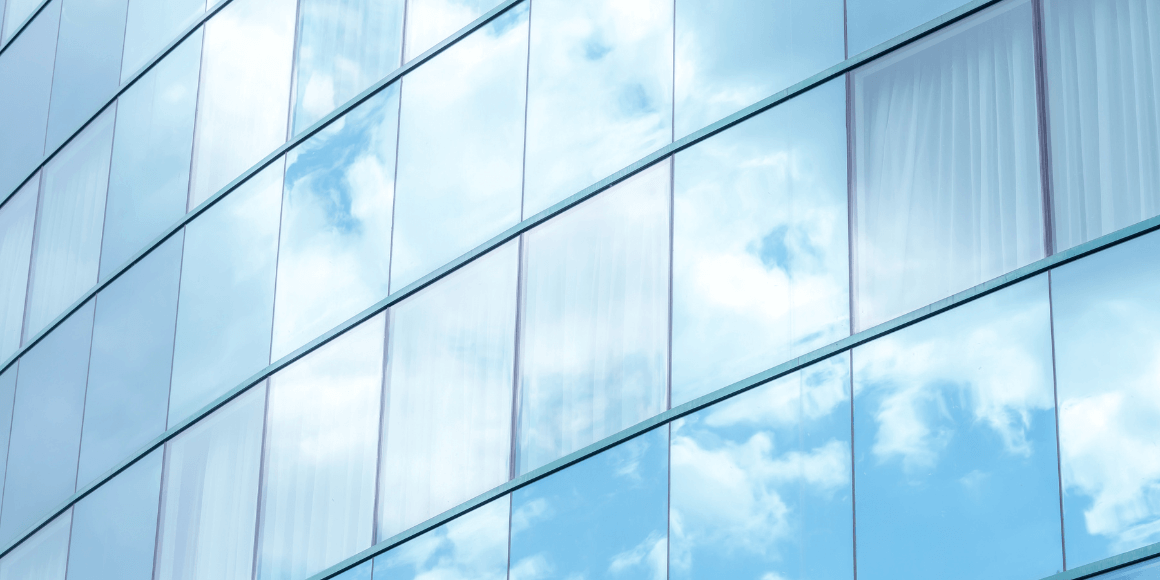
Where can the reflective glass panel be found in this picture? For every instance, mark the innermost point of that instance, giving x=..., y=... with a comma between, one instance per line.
x=946, y=164
x=88, y=64
x=1103, y=64
x=70, y=216
x=872, y=22
x=594, y=326
x=1107, y=336
x=461, y=135
x=16, y=221
x=114, y=528
x=44, y=556
x=733, y=53
x=334, y=257
x=344, y=46
x=151, y=25
x=210, y=497
x=25, y=84
x=761, y=482
x=600, y=92
x=955, y=446
x=7, y=398
x=149, y=176
x=244, y=99
x=16, y=13
x=360, y=572
x=227, y=294
x=447, y=435
x=1146, y=570
x=46, y=424
x=128, y=392
x=321, y=451
x=605, y=517
x=474, y=545
x=431, y=21
x=760, y=265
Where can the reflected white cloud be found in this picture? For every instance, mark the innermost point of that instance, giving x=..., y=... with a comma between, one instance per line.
x=431, y=21
x=471, y=547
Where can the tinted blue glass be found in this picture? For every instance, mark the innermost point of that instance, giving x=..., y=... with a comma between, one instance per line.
x=360, y=572
x=151, y=25
x=46, y=424
x=149, y=176
x=88, y=64
x=41, y=557
x=474, y=545
x=955, y=446
x=17, y=218
x=871, y=22
x=25, y=82
x=114, y=528
x=461, y=133
x=605, y=517
x=128, y=392
x=17, y=13
x=1146, y=570
x=7, y=397
x=334, y=254
x=1106, y=340
x=227, y=294
x=761, y=482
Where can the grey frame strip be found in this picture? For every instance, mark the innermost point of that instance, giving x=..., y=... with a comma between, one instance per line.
x=661, y=154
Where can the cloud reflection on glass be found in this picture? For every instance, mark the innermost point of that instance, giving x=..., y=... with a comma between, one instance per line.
x=955, y=446
x=605, y=517
x=473, y=546
x=334, y=255
x=1107, y=339
x=431, y=21
x=761, y=482
x=600, y=92
x=760, y=267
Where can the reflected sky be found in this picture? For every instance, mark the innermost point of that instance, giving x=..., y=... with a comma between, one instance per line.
x=431, y=21
x=151, y=25
x=16, y=222
x=871, y=22
x=605, y=517
x=473, y=546
x=334, y=254
x=1107, y=337
x=733, y=53
x=25, y=84
x=460, y=148
x=955, y=449
x=43, y=556
x=761, y=482
x=760, y=267
x=7, y=398
x=17, y=11
x=600, y=92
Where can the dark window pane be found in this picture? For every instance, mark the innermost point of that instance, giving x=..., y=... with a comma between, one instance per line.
x=474, y=545
x=153, y=24
x=16, y=221
x=25, y=83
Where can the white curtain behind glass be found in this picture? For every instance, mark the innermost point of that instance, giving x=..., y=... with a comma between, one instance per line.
x=1103, y=73
x=947, y=175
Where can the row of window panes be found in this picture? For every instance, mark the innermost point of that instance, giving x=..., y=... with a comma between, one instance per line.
x=955, y=453
x=760, y=266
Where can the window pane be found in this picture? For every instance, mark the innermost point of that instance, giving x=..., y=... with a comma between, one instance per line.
x=322, y=431
x=461, y=148
x=149, y=176
x=25, y=82
x=1145, y=570
x=243, y=103
x=67, y=245
x=17, y=12
x=474, y=545
x=88, y=64
x=605, y=515
x=210, y=498
x=151, y=25
x=16, y=221
x=431, y=21
x=872, y=22
x=946, y=165
x=1106, y=321
x=447, y=436
x=344, y=46
x=760, y=265
x=761, y=482
x=335, y=252
x=227, y=294
x=600, y=92
x=128, y=392
x=7, y=398
x=114, y=528
x=1102, y=64
x=733, y=53
x=594, y=332
x=44, y=556
x=46, y=425
x=955, y=449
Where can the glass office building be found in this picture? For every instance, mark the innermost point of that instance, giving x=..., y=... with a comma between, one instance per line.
x=579, y=289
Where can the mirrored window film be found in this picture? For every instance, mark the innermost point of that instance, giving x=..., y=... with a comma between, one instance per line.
x=25, y=86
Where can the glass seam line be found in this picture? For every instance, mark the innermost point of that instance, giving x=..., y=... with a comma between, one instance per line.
x=558, y=208
x=36, y=12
